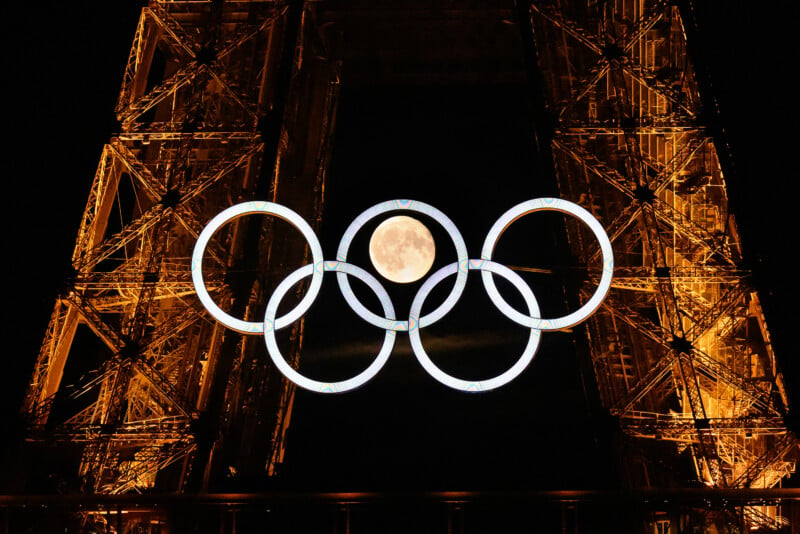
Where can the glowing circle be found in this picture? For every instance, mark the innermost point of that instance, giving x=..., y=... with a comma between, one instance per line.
x=415, y=322
x=270, y=327
x=230, y=214
x=563, y=206
x=472, y=386
x=402, y=249
x=402, y=205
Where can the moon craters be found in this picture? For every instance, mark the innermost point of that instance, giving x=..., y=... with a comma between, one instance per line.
x=402, y=249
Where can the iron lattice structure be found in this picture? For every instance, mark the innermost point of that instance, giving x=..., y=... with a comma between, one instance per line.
x=680, y=349
x=229, y=101
x=205, y=123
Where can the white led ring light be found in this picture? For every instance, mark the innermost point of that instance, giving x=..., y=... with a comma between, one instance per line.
x=270, y=326
x=234, y=212
x=490, y=383
x=461, y=267
x=407, y=205
x=563, y=206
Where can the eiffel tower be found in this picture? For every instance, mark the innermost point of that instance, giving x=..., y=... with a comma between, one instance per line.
x=223, y=102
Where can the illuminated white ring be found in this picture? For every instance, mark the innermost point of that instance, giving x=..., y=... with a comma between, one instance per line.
x=270, y=327
x=563, y=206
x=514, y=371
x=406, y=205
x=234, y=212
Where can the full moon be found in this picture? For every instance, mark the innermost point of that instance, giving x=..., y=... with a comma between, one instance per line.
x=401, y=249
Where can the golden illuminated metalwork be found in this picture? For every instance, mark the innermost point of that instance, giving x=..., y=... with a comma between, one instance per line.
x=202, y=126
x=223, y=102
x=680, y=349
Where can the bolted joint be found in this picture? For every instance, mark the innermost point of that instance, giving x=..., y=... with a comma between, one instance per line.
x=130, y=351
x=206, y=55
x=202, y=429
x=702, y=424
x=612, y=51
x=628, y=123
x=171, y=198
x=644, y=194
x=681, y=344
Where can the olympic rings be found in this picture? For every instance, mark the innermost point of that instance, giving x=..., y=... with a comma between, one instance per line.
x=415, y=322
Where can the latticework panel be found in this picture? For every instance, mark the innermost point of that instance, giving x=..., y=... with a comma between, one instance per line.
x=680, y=349
x=132, y=371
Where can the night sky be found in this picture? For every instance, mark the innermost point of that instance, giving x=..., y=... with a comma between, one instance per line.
x=66, y=64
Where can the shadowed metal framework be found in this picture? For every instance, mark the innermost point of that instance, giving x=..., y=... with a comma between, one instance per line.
x=204, y=92
x=681, y=351
x=223, y=102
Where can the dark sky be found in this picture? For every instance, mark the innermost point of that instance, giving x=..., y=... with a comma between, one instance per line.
x=66, y=62
x=64, y=65
x=745, y=50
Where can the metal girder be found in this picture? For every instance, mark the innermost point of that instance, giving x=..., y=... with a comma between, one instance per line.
x=686, y=275
x=589, y=83
x=706, y=440
x=161, y=383
x=145, y=178
x=782, y=446
x=685, y=153
x=168, y=88
x=758, y=519
x=569, y=27
x=647, y=78
x=644, y=126
x=50, y=363
x=658, y=371
x=628, y=145
x=653, y=14
x=143, y=47
x=247, y=32
x=681, y=428
x=760, y=396
x=132, y=231
x=200, y=82
x=111, y=336
x=150, y=135
x=664, y=212
x=197, y=186
x=148, y=465
x=98, y=206
x=187, y=192
x=732, y=296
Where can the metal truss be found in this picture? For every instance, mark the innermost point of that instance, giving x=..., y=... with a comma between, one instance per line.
x=681, y=351
x=131, y=370
x=228, y=101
